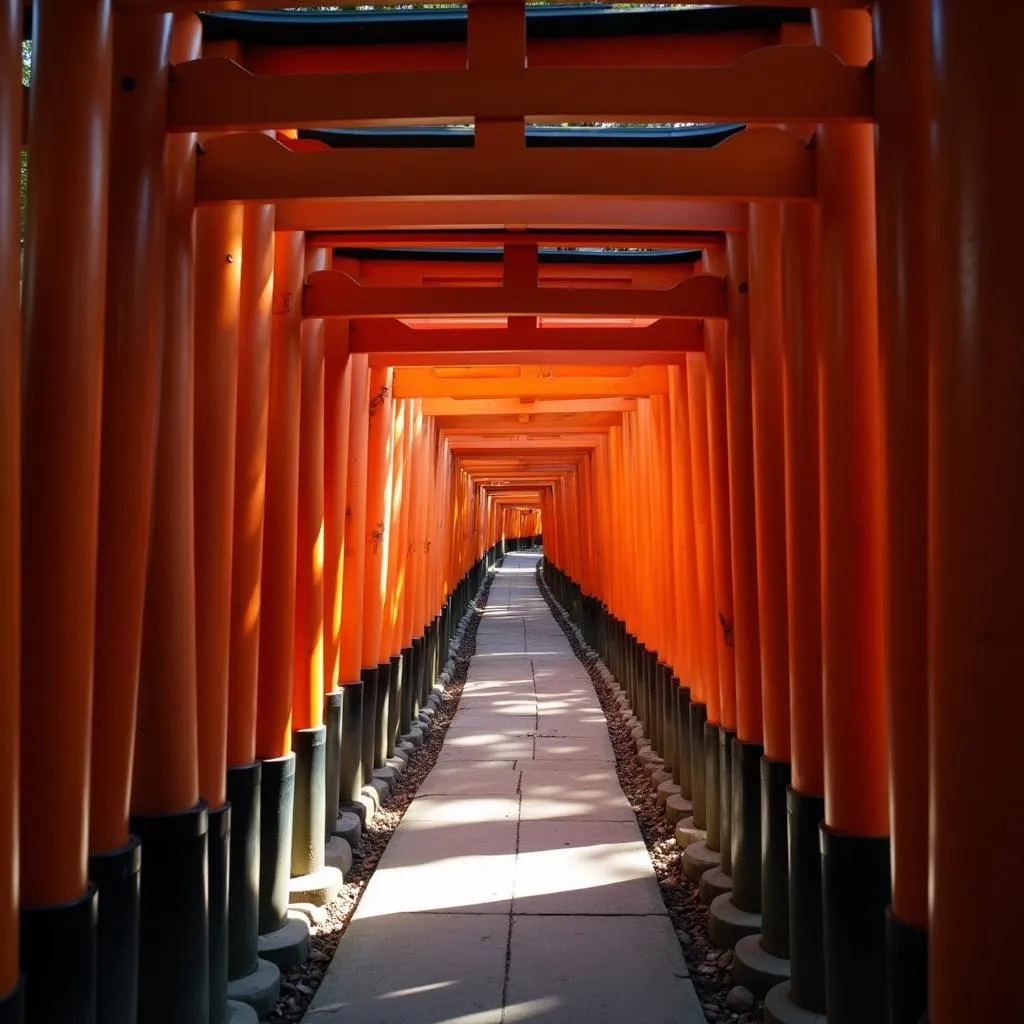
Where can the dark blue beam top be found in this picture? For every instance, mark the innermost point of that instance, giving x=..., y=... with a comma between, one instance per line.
x=387, y=25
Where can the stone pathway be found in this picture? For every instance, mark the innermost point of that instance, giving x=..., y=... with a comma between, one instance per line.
x=517, y=886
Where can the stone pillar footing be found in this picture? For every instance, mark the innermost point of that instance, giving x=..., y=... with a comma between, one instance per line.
x=755, y=968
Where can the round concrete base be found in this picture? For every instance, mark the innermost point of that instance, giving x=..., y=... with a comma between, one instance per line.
x=757, y=969
x=677, y=807
x=406, y=749
x=396, y=764
x=338, y=854
x=288, y=946
x=727, y=924
x=413, y=738
x=318, y=887
x=372, y=794
x=386, y=775
x=712, y=884
x=665, y=790
x=637, y=731
x=697, y=859
x=659, y=776
x=349, y=828
x=310, y=911
x=260, y=990
x=687, y=833
x=648, y=758
x=779, y=1008
x=241, y=1013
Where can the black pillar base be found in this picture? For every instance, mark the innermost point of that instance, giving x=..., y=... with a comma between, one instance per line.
x=698, y=763
x=219, y=845
x=115, y=873
x=244, y=784
x=309, y=807
x=333, y=708
x=395, y=695
x=408, y=693
x=806, y=952
x=350, y=769
x=684, y=776
x=726, y=739
x=907, y=947
x=58, y=961
x=855, y=891
x=746, y=825
x=370, y=681
x=666, y=714
x=712, y=787
x=174, y=924
x=380, y=736
x=775, y=776
x=12, y=1004
x=411, y=708
x=277, y=794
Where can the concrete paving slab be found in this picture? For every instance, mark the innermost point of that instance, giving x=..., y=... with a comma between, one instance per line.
x=598, y=748
x=463, y=809
x=613, y=971
x=576, y=805
x=428, y=968
x=501, y=726
x=440, y=866
x=485, y=747
x=584, y=868
x=571, y=766
x=470, y=780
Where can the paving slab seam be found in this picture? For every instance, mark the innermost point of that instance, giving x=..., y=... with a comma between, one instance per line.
x=710, y=968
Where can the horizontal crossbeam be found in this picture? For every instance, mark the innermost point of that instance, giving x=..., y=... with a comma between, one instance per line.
x=563, y=213
x=424, y=383
x=332, y=293
x=760, y=163
x=774, y=85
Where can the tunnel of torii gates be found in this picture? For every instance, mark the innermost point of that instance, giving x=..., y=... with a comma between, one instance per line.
x=300, y=359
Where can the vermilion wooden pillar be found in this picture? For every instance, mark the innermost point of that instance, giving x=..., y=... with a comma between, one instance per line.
x=218, y=278
x=766, y=362
x=351, y=645
x=166, y=810
x=855, y=846
x=11, y=990
x=277, y=588
x=337, y=416
x=903, y=110
x=309, y=734
x=378, y=495
x=244, y=775
x=742, y=746
x=805, y=800
x=720, y=741
x=685, y=567
x=133, y=343
x=704, y=788
x=976, y=503
x=62, y=387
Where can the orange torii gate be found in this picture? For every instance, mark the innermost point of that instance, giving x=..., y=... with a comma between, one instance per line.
x=259, y=444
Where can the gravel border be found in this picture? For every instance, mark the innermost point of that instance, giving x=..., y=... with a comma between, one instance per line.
x=710, y=968
x=299, y=985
